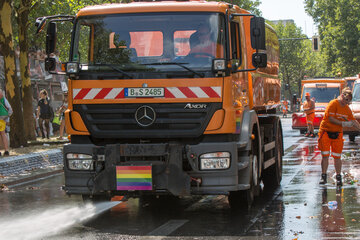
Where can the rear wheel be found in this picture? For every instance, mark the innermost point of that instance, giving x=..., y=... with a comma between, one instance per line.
x=273, y=175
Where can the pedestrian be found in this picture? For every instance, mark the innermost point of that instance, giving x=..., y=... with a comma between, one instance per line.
x=44, y=113
x=62, y=110
x=285, y=108
x=337, y=115
x=309, y=110
x=5, y=113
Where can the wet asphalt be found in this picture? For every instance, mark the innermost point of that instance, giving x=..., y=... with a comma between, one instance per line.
x=299, y=209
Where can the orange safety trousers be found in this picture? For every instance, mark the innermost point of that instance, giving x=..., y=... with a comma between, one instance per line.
x=310, y=118
x=327, y=145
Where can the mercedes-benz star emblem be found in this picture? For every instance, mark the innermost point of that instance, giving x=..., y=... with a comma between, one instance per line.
x=145, y=116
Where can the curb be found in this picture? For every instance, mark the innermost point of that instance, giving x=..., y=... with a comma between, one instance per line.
x=16, y=165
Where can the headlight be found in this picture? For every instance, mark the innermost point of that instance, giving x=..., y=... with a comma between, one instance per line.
x=80, y=161
x=214, y=161
x=219, y=64
x=72, y=67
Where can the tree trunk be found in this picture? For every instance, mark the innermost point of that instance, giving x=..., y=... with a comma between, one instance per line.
x=27, y=98
x=17, y=137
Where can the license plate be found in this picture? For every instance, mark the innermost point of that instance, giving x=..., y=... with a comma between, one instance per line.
x=144, y=92
x=131, y=178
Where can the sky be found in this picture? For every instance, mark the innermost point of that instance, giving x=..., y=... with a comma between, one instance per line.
x=288, y=9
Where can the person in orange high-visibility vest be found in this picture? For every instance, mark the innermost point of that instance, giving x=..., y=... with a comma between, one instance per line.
x=309, y=109
x=337, y=115
x=285, y=107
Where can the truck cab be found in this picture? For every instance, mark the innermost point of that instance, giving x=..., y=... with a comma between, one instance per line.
x=355, y=108
x=156, y=107
x=322, y=91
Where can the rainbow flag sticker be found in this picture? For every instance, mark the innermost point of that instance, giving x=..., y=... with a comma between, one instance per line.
x=133, y=178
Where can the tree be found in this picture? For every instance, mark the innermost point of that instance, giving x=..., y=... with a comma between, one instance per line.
x=339, y=28
x=23, y=11
x=17, y=138
x=296, y=58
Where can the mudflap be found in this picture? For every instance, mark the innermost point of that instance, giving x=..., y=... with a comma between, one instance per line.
x=165, y=161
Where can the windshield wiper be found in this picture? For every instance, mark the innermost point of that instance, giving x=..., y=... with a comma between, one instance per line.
x=178, y=64
x=115, y=68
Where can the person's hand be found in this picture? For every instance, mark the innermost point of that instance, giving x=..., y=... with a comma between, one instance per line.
x=347, y=124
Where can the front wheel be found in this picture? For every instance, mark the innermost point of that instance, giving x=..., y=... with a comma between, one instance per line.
x=244, y=199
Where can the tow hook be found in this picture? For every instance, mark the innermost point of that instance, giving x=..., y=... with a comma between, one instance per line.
x=197, y=180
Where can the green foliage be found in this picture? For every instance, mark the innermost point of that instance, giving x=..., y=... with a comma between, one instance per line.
x=57, y=7
x=297, y=59
x=339, y=28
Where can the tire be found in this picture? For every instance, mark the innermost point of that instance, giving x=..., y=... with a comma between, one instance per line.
x=352, y=138
x=273, y=175
x=243, y=200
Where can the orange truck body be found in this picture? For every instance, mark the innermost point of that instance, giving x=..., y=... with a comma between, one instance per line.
x=224, y=114
x=322, y=91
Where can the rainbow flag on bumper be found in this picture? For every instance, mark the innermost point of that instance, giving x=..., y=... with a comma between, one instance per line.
x=133, y=178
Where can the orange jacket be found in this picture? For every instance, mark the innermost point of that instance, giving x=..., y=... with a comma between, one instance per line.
x=307, y=105
x=341, y=113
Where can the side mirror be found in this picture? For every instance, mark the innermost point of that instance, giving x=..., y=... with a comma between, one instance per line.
x=50, y=64
x=259, y=60
x=257, y=29
x=51, y=38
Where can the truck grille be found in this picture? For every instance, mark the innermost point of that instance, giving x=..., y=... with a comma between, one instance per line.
x=171, y=121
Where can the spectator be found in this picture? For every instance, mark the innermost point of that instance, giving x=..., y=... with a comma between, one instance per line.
x=44, y=113
x=62, y=110
x=5, y=112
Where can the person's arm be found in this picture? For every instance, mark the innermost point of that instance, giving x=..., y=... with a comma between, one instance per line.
x=38, y=112
x=335, y=121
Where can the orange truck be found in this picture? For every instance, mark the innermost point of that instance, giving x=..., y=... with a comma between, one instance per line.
x=322, y=91
x=350, y=81
x=355, y=108
x=149, y=115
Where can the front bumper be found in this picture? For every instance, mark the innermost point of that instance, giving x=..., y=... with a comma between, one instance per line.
x=175, y=169
x=299, y=120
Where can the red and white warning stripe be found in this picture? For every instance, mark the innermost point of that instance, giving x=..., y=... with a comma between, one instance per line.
x=170, y=92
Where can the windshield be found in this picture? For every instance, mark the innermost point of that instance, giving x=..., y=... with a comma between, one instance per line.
x=149, y=43
x=323, y=95
x=356, y=93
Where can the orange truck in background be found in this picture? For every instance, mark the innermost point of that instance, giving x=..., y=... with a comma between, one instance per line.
x=355, y=108
x=350, y=81
x=322, y=91
x=148, y=116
